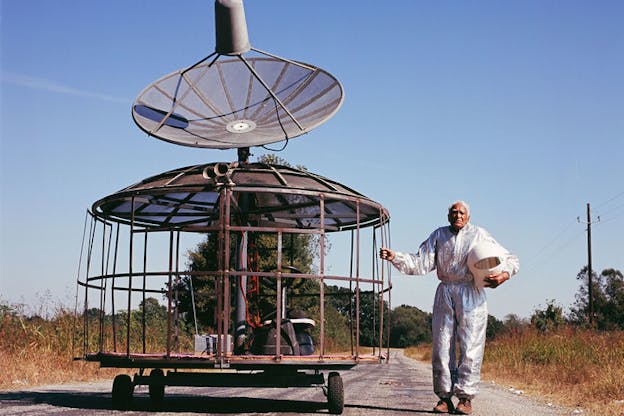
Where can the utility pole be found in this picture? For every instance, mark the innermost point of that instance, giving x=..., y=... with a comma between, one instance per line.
x=589, y=267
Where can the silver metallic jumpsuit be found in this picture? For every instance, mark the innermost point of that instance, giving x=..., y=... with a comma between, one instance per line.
x=459, y=309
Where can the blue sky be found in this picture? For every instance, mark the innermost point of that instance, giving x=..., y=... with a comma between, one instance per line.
x=515, y=107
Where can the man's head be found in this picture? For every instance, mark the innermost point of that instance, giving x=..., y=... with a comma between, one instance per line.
x=458, y=215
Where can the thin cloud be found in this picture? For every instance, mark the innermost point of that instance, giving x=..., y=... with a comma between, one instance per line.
x=45, y=85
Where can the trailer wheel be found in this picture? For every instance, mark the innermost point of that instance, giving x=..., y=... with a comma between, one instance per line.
x=157, y=386
x=335, y=393
x=122, y=392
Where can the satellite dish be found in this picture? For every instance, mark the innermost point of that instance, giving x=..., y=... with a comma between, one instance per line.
x=228, y=100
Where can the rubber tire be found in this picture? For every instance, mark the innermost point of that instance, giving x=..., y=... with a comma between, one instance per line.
x=335, y=393
x=157, y=386
x=122, y=392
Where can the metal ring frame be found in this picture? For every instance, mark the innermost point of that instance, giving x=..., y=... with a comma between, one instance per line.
x=103, y=235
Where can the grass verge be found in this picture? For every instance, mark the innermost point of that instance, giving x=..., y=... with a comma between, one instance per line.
x=570, y=367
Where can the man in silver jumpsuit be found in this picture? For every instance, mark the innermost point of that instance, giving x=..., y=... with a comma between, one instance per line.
x=459, y=309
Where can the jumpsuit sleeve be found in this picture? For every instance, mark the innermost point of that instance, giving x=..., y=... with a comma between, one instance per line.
x=422, y=262
x=512, y=264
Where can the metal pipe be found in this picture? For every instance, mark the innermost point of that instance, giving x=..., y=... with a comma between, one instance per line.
x=321, y=275
x=219, y=281
x=278, y=298
x=131, y=253
x=102, y=286
x=357, y=280
x=105, y=287
x=143, y=317
x=241, y=295
x=88, y=270
x=176, y=342
x=351, y=317
x=227, y=301
x=113, y=290
x=84, y=233
x=169, y=294
x=231, y=27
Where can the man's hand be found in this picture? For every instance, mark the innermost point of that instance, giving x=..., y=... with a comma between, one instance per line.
x=495, y=280
x=386, y=254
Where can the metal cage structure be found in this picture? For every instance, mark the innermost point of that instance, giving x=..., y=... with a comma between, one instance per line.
x=132, y=248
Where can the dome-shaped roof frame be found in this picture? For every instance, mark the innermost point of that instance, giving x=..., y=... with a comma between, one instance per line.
x=278, y=196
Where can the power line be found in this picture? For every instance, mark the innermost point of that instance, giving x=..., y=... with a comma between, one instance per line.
x=610, y=200
x=610, y=210
x=533, y=261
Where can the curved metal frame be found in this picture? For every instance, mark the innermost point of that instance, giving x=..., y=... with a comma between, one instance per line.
x=171, y=358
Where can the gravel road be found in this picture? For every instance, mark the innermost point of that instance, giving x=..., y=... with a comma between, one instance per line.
x=401, y=387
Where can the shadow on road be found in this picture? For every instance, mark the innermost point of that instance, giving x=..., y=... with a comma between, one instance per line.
x=172, y=403
x=182, y=403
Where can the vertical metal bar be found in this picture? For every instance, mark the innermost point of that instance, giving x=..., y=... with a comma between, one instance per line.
x=322, y=275
x=75, y=320
x=357, y=280
x=88, y=271
x=278, y=299
x=219, y=312
x=382, y=274
x=381, y=286
x=169, y=292
x=102, y=274
x=143, y=317
x=351, y=316
x=240, y=324
x=131, y=253
x=385, y=242
x=108, y=254
x=113, y=314
x=226, y=276
x=376, y=290
x=219, y=278
x=176, y=316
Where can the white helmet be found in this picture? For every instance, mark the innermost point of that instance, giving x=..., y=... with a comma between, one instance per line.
x=485, y=258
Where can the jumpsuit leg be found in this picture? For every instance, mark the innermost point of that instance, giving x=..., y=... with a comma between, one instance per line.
x=472, y=315
x=443, y=331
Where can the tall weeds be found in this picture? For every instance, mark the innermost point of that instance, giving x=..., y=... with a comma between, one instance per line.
x=577, y=367
x=37, y=350
x=571, y=367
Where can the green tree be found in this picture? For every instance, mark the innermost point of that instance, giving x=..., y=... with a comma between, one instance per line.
x=513, y=324
x=409, y=326
x=613, y=310
x=548, y=319
x=494, y=327
x=608, y=299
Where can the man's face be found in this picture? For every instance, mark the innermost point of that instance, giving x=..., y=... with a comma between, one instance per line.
x=458, y=216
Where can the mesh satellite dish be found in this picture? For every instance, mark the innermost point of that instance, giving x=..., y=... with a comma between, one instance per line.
x=228, y=100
